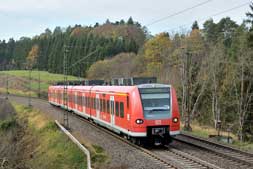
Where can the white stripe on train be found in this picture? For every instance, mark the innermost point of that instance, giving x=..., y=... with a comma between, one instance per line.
x=115, y=128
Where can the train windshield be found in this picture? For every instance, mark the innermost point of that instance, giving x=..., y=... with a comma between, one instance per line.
x=156, y=103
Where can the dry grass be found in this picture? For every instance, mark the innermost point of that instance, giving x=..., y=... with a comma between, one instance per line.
x=50, y=147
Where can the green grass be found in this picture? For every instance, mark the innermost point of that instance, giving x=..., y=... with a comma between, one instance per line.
x=44, y=76
x=17, y=92
x=205, y=131
x=34, y=86
x=53, y=149
x=22, y=85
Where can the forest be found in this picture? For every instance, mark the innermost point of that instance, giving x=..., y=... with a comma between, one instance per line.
x=211, y=67
x=78, y=41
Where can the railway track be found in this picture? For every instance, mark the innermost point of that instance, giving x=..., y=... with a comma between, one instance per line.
x=239, y=158
x=170, y=156
x=182, y=159
x=168, y=164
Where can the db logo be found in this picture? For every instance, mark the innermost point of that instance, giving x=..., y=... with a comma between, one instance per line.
x=158, y=122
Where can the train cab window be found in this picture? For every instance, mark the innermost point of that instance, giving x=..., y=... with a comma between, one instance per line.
x=121, y=109
x=108, y=106
x=117, y=108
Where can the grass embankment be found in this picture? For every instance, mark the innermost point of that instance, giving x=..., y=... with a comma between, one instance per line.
x=52, y=148
x=205, y=131
x=19, y=82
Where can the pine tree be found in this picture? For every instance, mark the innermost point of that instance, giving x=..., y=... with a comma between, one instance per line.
x=195, y=25
x=250, y=20
x=130, y=21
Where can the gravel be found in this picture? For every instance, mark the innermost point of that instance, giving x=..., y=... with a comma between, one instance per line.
x=121, y=154
x=207, y=156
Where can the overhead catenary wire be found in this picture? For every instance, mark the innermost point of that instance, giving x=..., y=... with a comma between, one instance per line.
x=84, y=58
x=210, y=16
x=177, y=13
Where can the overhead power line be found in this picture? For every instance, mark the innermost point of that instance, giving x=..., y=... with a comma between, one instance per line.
x=216, y=14
x=84, y=58
x=179, y=12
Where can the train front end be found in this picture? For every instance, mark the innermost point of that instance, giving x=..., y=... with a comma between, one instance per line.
x=159, y=114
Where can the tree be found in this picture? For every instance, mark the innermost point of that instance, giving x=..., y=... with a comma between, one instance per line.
x=250, y=20
x=210, y=31
x=57, y=30
x=195, y=25
x=250, y=15
x=48, y=32
x=32, y=56
x=155, y=53
x=96, y=25
x=107, y=21
x=122, y=22
x=130, y=21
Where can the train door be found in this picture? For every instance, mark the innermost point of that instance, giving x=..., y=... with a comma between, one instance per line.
x=112, y=110
x=97, y=106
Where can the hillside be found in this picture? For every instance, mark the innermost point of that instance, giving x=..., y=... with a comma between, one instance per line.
x=18, y=82
x=104, y=41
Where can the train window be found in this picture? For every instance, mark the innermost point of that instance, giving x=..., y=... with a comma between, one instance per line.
x=80, y=100
x=97, y=104
x=108, y=106
x=121, y=109
x=104, y=106
x=88, y=102
x=101, y=104
x=117, y=108
x=83, y=100
x=94, y=103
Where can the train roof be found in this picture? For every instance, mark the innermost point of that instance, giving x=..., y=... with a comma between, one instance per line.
x=121, y=89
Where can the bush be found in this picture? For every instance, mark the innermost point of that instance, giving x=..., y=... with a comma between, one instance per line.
x=8, y=124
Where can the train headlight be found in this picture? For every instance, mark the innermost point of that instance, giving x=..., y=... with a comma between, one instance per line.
x=139, y=121
x=175, y=120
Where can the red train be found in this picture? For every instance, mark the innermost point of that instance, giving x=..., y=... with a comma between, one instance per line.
x=146, y=113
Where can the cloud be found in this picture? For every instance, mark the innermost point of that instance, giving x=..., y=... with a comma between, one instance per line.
x=34, y=16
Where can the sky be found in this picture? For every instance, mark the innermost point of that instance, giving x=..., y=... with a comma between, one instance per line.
x=31, y=17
